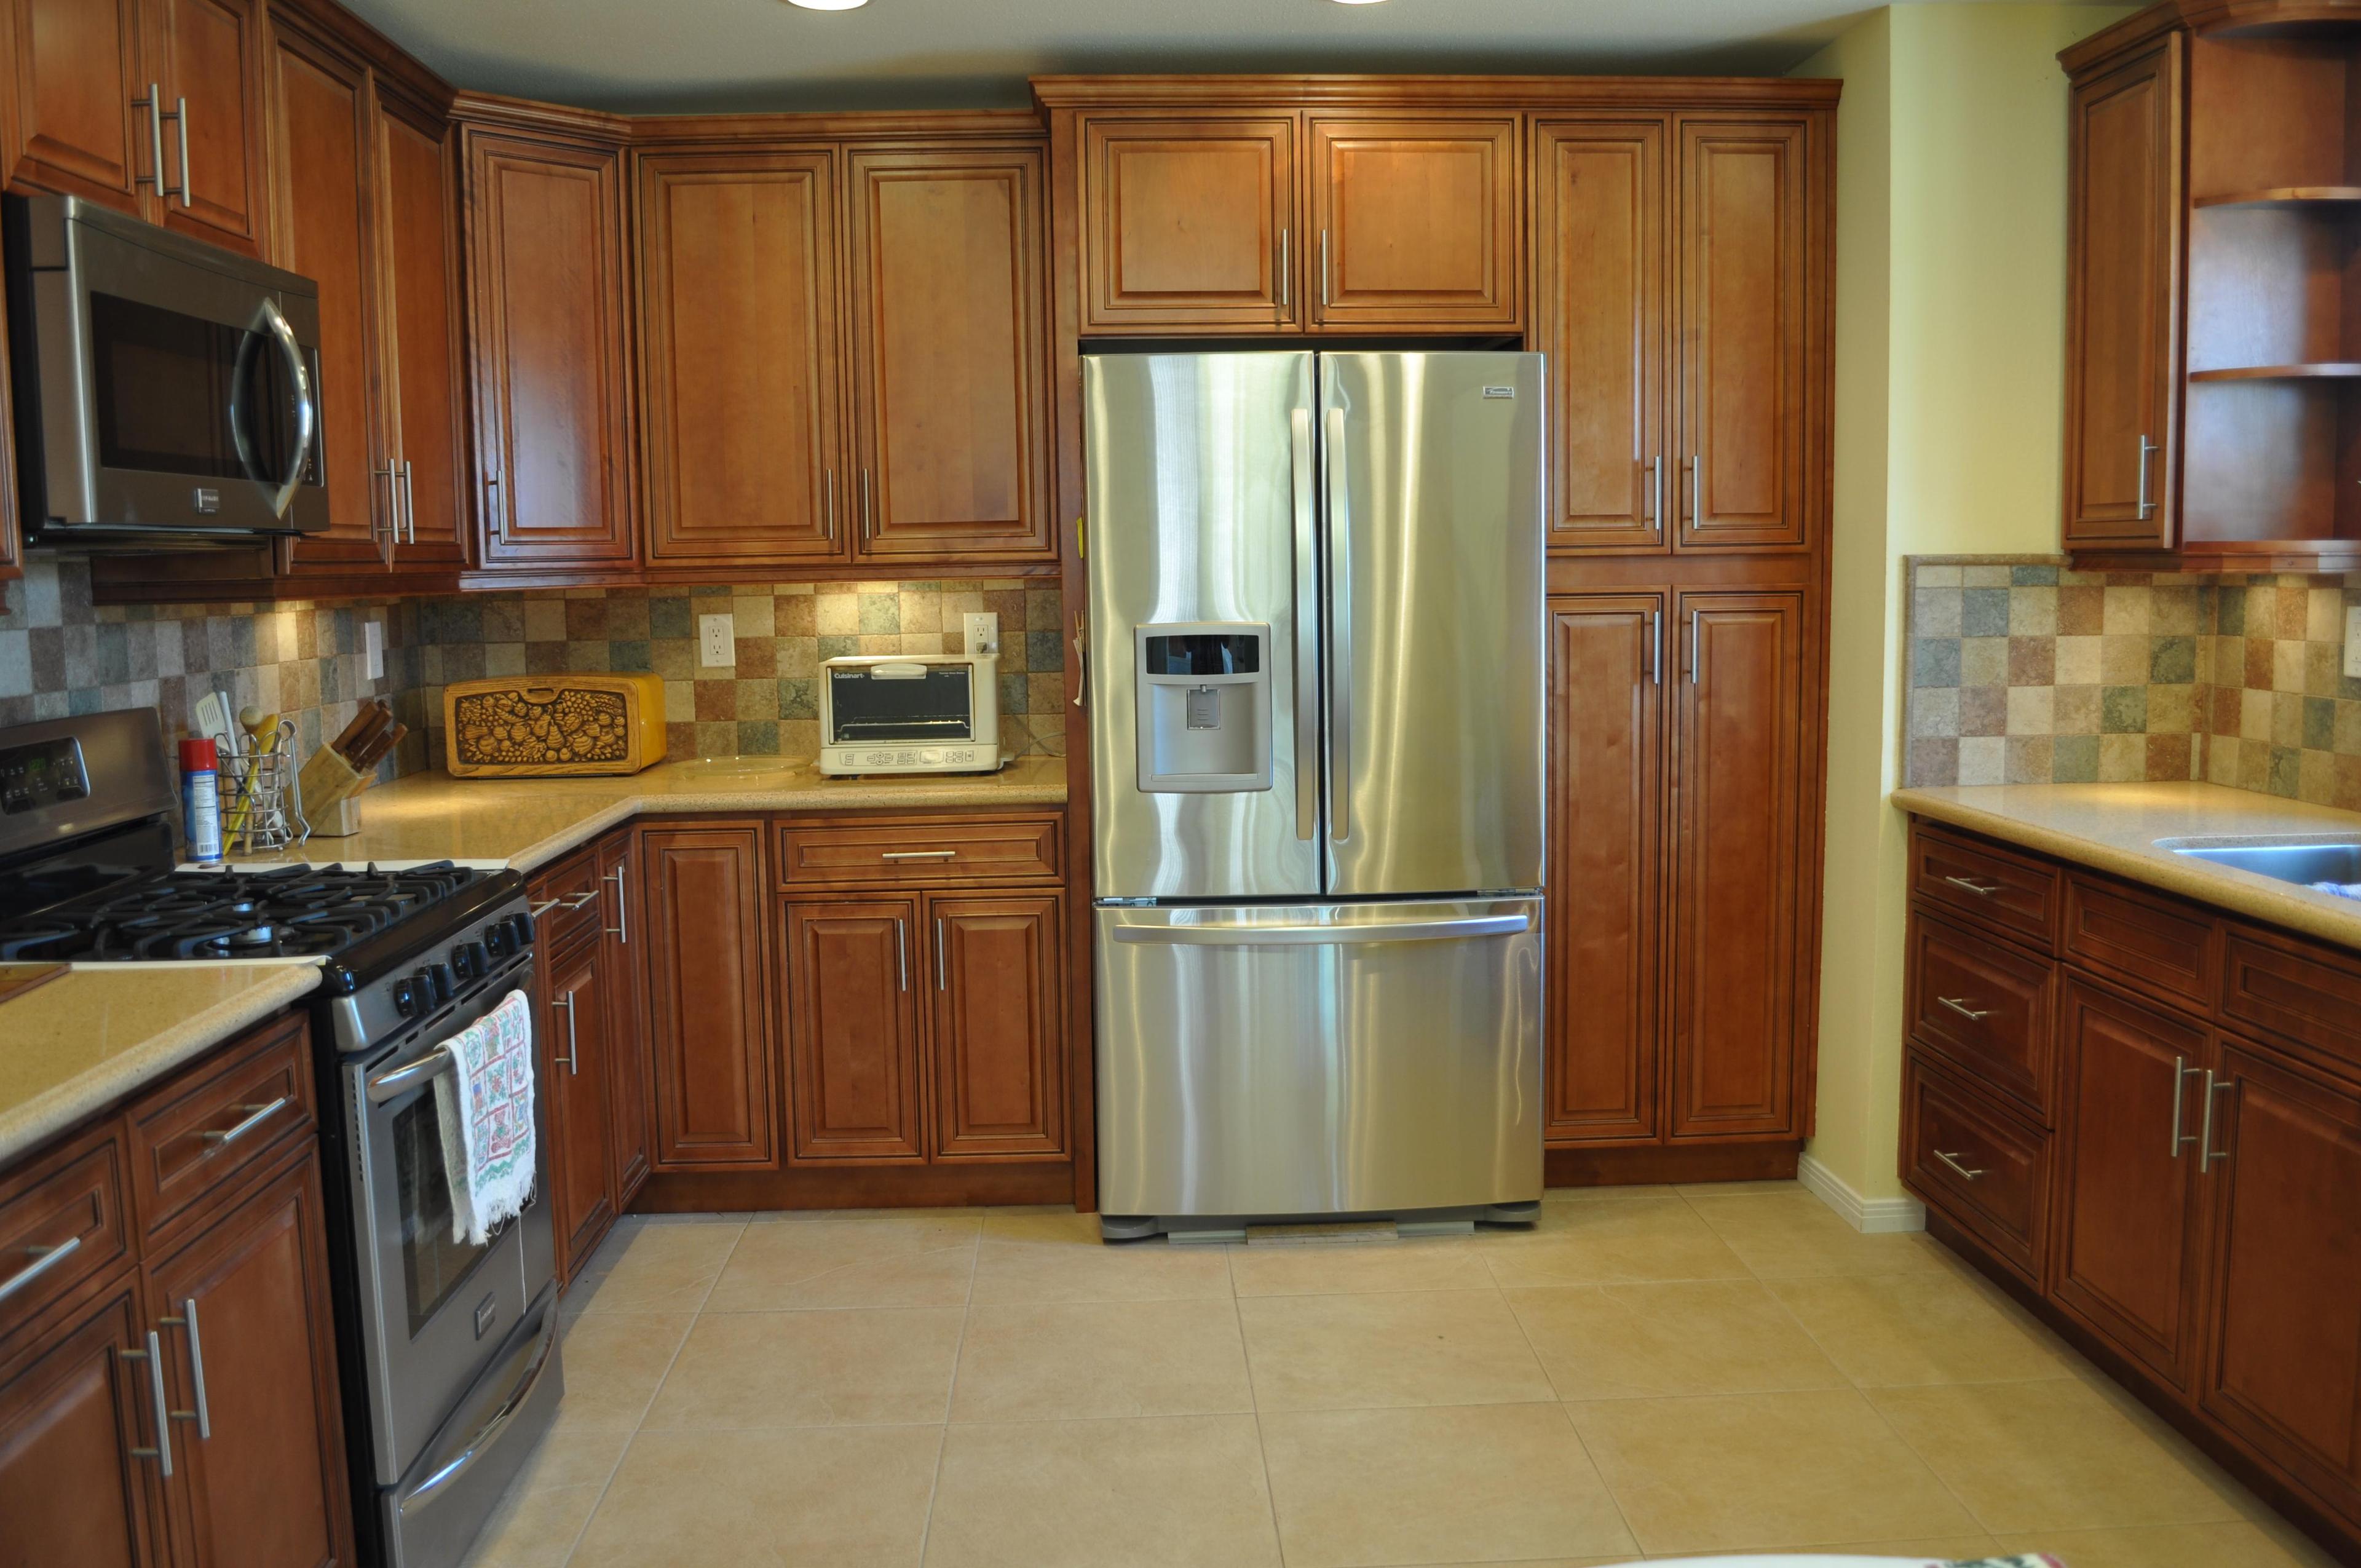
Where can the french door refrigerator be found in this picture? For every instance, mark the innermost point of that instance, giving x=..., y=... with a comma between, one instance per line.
x=1316, y=618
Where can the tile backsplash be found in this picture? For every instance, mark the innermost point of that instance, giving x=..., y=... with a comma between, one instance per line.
x=60, y=655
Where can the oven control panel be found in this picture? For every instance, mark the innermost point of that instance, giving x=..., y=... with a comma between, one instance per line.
x=47, y=772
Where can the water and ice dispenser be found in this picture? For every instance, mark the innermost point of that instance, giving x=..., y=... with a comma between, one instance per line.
x=1205, y=706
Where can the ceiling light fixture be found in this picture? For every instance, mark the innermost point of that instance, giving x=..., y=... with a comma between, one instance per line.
x=856, y=4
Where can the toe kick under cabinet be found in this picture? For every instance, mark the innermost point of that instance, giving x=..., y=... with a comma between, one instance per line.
x=2144, y=1117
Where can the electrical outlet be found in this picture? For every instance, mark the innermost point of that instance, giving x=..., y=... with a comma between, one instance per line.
x=716, y=640
x=373, y=647
x=980, y=630
x=2352, y=640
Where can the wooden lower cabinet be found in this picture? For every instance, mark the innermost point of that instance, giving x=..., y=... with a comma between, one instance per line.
x=996, y=1032
x=576, y=1065
x=73, y=1408
x=853, y=1030
x=708, y=1020
x=621, y=939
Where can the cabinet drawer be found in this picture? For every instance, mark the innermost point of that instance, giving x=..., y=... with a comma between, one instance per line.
x=2309, y=996
x=1989, y=886
x=1976, y=1162
x=2146, y=943
x=207, y=1128
x=566, y=895
x=935, y=852
x=61, y=1222
x=1987, y=1006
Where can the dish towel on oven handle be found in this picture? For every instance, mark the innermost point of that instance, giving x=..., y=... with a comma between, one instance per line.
x=485, y=1107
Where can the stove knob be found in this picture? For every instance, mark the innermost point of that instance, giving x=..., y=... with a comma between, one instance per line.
x=405, y=998
x=471, y=960
x=499, y=940
x=432, y=982
x=522, y=926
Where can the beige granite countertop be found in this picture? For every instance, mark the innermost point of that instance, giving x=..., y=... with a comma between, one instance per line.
x=526, y=823
x=82, y=1042
x=2114, y=827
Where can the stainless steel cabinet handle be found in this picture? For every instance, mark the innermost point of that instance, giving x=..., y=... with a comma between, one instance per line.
x=1656, y=507
x=187, y=1322
x=1981, y=889
x=1340, y=648
x=572, y=1061
x=2207, y=1155
x=181, y=126
x=536, y=911
x=622, y=929
x=580, y=900
x=409, y=501
x=1697, y=487
x=2146, y=451
x=392, y=529
x=492, y=511
x=901, y=953
x=1282, y=270
x=2181, y=1073
x=255, y=1116
x=941, y=982
x=827, y=515
x=1307, y=631
x=865, y=529
x=1241, y=935
x=1959, y=1005
x=154, y=1356
x=1697, y=655
x=44, y=1259
x=154, y=105
x=1953, y=1161
x=1323, y=270
x=919, y=855
x=1656, y=646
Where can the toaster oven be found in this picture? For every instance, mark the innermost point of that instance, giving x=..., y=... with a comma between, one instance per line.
x=910, y=713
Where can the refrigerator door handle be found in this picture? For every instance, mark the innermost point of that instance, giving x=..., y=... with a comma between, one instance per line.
x=1249, y=936
x=1307, y=633
x=1340, y=644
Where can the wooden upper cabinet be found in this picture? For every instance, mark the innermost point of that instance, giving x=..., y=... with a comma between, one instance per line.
x=76, y=67
x=212, y=59
x=425, y=431
x=72, y=1407
x=1741, y=783
x=1606, y=804
x=547, y=352
x=2123, y=216
x=709, y=1001
x=742, y=378
x=1602, y=315
x=951, y=372
x=998, y=1025
x=1189, y=222
x=1742, y=296
x=853, y=1030
x=1414, y=222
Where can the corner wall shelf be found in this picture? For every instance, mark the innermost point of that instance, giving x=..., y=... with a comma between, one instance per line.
x=2326, y=370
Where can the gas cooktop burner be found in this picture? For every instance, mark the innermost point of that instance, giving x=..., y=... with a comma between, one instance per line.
x=287, y=912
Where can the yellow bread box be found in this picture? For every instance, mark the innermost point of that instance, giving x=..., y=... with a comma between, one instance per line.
x=521, y=725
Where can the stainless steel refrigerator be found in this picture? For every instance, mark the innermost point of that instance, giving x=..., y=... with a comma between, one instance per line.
x=1315, y=691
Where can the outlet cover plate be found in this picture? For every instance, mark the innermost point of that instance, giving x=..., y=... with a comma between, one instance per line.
x=979, y=630
x=717, y=642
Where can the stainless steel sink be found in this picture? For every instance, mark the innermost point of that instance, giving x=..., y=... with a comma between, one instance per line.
x=2299, y=860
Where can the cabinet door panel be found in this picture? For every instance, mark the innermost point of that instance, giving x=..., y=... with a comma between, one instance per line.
x=1742, y=259
x=77, y=70
x=998, y=1040
x=1188, y=223
x=421, y=327
x=577, y=1064
x=709, y=1022
x=622, y=946
x=72, y=1409
x=1414, y=223
x=1738, y=783
x=853, y=1030
x=1606, y=783
x=2123, y=290
x=1600, y=204
x=545, y=238
x=950, y=353
x=737, y=257
x=267, y=1490
x=212, y=54
x=2125, y=1186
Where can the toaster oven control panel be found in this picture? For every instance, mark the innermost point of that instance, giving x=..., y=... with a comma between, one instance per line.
x=843, y=760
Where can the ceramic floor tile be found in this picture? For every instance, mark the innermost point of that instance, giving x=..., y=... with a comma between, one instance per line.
x=865, y=1262
x=1762, y=1472
x=1794, y=1233
x=2239, y=1545
x=1935, y=1551
x=1714, y=1336
x=850, y=1498
x=2045, y=1456
x=550, y=1500
x=1494, y=1483
x=1612, y=1243
x=1742, y=1189
x=1424, y=1347
x=663, y=1268
x=1059, y=1258
x=1101, y=1358
x=1179, y=1490
x=613, y=1364
x=1886, y=1330
x=1430, y=1264
x=1594, y=1194
x=865, y=1367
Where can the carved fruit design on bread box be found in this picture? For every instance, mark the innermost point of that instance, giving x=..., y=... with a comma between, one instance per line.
x=510, y=727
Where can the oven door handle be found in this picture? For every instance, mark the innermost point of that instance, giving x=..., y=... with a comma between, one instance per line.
x=398, y=1081
x=307, y=404
x=426, y=1492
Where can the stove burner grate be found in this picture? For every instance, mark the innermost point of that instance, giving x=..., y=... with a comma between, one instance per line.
x=289, y=911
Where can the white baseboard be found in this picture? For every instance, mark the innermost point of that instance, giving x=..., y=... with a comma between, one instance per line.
x=1871, y=1215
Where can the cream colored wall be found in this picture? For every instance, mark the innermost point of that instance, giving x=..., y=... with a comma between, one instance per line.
x=1950, y=294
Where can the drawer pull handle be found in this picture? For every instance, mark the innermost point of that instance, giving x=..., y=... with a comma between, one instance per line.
x=1966, y=1173
x=1981, y=889
x=582, y=900
x=622, y=929
x=919, y=855
x=154, y=1356
x=255, y=1116
x=2207, y=1155
x=203, y=1414
x=536, y=910
x=1959, y=1005
x=2181, y=1073
x=44, y=1259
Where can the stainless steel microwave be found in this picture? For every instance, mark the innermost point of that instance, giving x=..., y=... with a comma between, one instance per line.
x=910, y=713
x=166, y=391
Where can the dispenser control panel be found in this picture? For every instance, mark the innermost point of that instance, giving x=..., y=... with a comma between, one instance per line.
x=1205, y=706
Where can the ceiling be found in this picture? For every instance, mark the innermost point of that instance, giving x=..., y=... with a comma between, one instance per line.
x=651, y=56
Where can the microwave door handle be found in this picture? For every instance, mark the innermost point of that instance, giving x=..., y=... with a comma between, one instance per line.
x=307, y=403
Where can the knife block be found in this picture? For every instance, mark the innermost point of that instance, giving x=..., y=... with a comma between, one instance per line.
x=340, y=820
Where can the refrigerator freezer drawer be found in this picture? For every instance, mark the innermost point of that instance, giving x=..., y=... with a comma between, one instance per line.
x=1319, y=1058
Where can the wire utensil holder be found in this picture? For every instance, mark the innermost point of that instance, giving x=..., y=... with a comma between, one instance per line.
x=261, y=801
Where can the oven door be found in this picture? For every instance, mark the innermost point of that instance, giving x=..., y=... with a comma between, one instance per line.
x=904, y=702
x=434, y=1310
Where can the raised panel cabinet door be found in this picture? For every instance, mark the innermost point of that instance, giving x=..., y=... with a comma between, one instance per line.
x=212, y=60
x=577, y=1052
x=1737, y=888
x=2127, y=1123
x=1414, y=223
x=622, y=942
x=950, y=364
x=853, y=1030
x=739, y=321
x=2283, y=1365
x=1599, y=213
x=1606, y=872
x=74, y=127
x=1190, y=223
x=417, y=189
x=261, y=1482
x=1741, y=256
x=708, y=1006
x=997, y=1045
x=546, y=335
x=73, y=1408
x=2122, y=300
